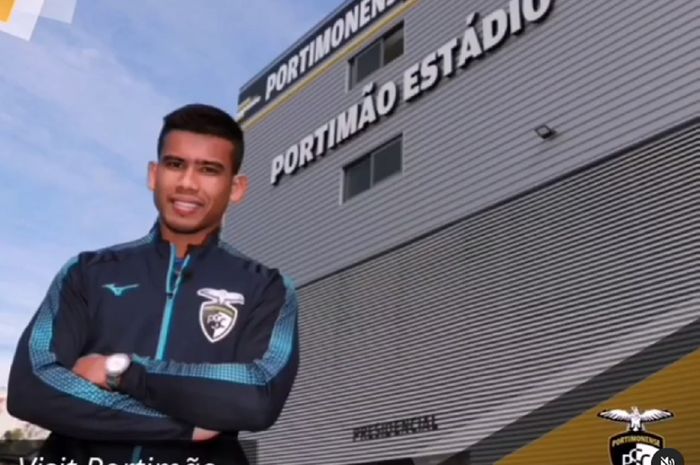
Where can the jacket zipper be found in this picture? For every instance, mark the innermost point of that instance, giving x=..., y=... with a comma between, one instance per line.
x=170, y=293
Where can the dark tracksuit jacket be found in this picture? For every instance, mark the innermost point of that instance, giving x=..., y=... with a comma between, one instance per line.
x=214, y=342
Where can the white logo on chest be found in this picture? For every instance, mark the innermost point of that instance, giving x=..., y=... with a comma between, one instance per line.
x=217, y=316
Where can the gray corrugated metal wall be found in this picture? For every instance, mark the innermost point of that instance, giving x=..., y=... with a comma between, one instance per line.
x=489, y=318
x=604, y=74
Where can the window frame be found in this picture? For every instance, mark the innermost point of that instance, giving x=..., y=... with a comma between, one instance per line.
x=353, y=81
x=344, y=198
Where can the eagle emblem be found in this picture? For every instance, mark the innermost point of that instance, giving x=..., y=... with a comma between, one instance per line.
x=635, y=418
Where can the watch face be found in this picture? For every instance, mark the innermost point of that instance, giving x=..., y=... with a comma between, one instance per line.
x=116, y=364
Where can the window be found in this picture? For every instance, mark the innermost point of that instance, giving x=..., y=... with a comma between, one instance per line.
x=376, y=166
x=379, y=53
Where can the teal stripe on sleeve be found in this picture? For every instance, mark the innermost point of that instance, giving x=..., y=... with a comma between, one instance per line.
x=45, y=366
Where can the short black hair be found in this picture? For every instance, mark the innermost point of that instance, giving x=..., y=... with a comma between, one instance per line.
x=208, y=120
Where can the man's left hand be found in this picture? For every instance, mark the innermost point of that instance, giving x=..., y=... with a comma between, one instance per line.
x=93, y=368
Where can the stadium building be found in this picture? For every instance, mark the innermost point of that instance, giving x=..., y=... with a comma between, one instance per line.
x=491, y=212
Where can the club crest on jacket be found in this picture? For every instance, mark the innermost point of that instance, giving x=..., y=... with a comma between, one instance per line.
x=217, y=316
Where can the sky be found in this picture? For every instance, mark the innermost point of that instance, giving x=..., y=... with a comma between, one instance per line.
x=81, y=105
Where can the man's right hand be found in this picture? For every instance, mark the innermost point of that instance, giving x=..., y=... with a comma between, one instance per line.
x=201, y=434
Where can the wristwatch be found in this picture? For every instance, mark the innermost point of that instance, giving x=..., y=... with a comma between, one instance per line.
x=115, y=366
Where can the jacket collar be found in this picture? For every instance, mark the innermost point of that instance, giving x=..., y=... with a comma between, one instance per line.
x=164, y=246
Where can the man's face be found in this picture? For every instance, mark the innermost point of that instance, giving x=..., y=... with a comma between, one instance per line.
x=193, y=182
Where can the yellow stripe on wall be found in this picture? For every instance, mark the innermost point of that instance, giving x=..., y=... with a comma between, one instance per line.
x=585, y=439
x=355, y=46
x=6, y=7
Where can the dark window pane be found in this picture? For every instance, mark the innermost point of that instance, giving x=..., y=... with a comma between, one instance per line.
x=353, y=72
x=393, y=45
x=358, y=177
x=368, y=61
x=387, y=160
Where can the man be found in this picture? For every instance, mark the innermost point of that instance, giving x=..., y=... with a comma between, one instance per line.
x=174, y=337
